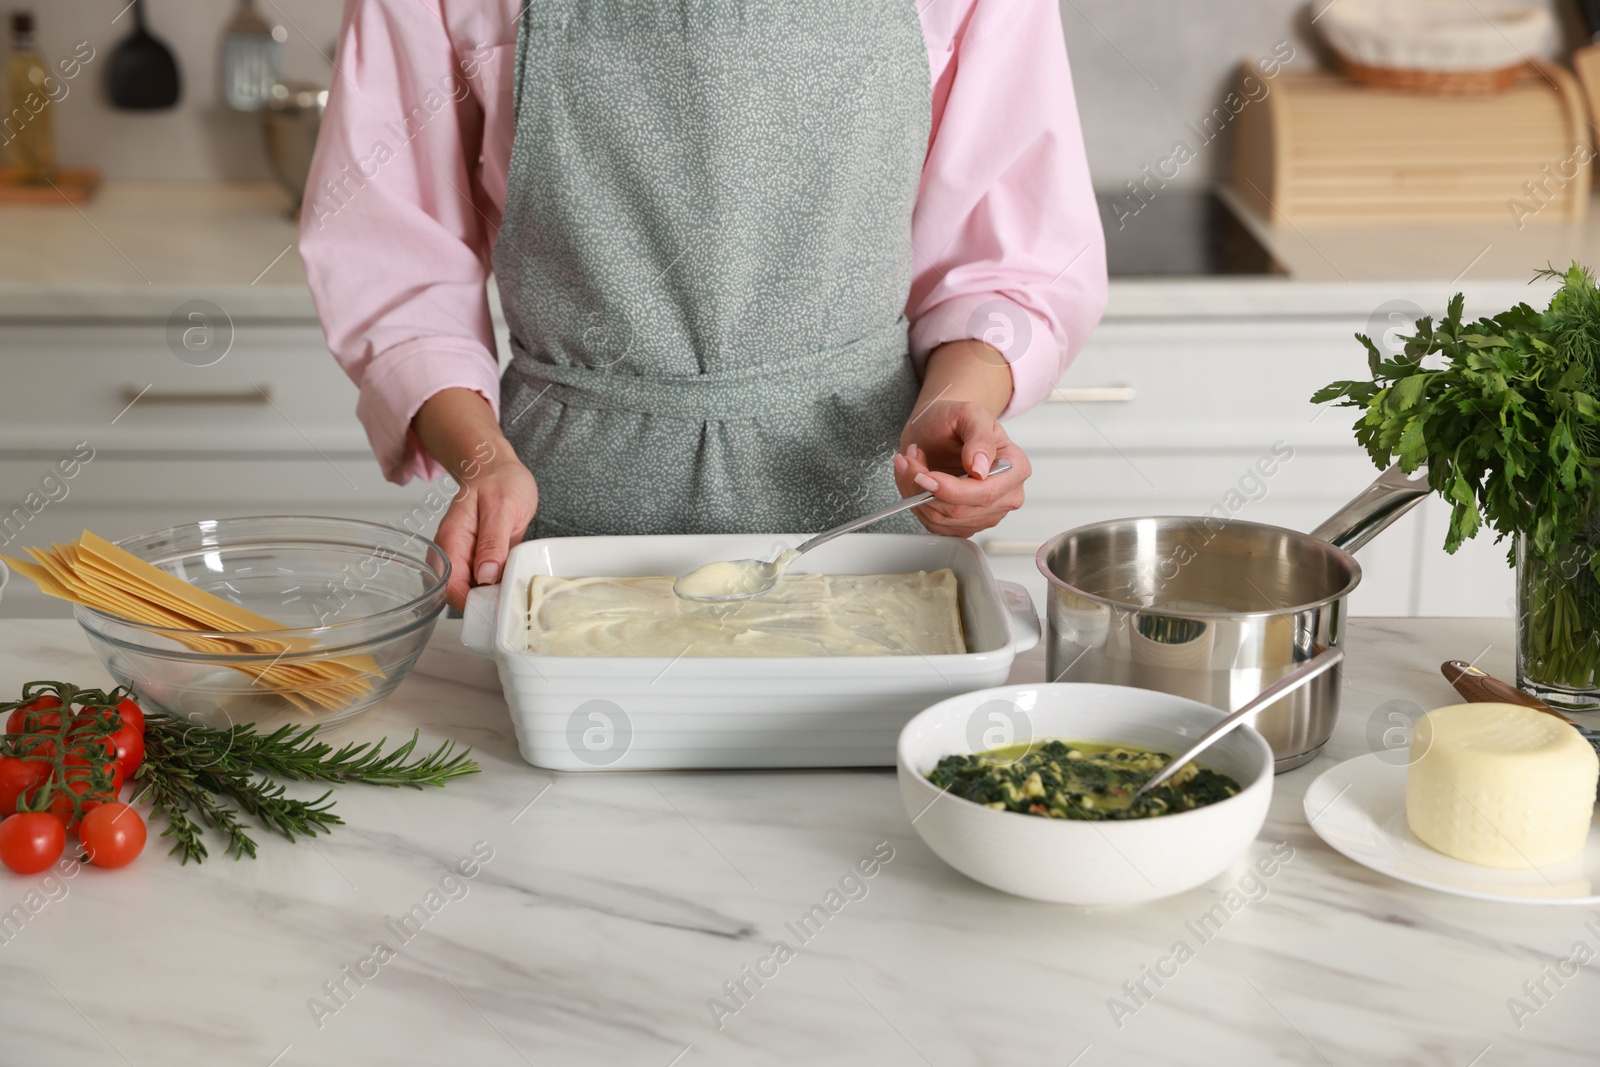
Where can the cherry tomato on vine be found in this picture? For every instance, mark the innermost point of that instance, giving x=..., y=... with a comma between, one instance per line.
x=128, y=744
x=32, y=841
x=17, y=776
x=112, y=834
x=80, y=747
x=131, y=712
x=45, y=720
x=61, y=806
x=66, y=817
x=109, y=764
x=84, y=747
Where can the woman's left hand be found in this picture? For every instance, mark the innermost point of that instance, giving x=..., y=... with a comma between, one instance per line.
x=945, y=439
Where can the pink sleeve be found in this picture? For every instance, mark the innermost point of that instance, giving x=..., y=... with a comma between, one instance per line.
x=392, y=236
x=1008, y=243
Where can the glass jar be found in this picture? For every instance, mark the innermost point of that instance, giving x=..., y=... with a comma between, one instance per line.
x=1558, y=625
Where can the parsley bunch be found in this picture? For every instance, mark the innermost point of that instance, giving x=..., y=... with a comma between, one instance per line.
x=1507, y=422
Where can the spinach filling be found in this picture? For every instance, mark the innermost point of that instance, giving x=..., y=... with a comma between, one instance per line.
x=1069, y=780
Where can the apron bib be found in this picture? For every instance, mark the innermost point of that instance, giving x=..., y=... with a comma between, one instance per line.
x=704, y=260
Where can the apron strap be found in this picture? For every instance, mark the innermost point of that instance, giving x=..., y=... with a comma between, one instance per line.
x=763, y=389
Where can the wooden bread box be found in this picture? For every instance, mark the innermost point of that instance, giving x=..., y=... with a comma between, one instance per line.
x=1321, y=149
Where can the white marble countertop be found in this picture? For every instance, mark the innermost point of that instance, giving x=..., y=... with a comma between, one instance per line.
x=615, y=906
x=140, y=248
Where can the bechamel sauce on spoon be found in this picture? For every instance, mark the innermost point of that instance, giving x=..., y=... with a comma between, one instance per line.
x=727, y=579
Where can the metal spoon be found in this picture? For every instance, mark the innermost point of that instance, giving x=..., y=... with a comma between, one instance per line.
x=1311, y=668
x=741, y=579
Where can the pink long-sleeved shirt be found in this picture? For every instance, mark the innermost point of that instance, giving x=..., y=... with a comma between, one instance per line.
x=404, y=200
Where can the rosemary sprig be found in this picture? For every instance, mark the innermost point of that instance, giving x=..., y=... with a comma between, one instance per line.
x=294, y=752
x=173, y=795
x=196, y=769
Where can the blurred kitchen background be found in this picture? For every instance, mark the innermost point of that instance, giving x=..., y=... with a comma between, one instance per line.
x=1227, y=311
x=1190, y=47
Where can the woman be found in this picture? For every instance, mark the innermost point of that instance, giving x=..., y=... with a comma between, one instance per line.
x=766, y=264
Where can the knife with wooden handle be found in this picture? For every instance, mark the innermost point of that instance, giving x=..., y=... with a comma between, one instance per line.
x=1478, y=687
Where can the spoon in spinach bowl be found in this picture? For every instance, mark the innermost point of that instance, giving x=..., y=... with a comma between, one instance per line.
x=1320, y=663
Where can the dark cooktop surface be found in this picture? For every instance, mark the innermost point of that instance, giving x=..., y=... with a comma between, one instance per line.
x=1178, y=232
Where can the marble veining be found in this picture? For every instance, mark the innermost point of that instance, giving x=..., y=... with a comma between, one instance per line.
x=616, y=910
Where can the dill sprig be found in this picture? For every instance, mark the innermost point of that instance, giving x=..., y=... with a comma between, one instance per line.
x=192, y=772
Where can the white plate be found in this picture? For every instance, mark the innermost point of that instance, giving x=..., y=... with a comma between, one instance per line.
x=1359, y=807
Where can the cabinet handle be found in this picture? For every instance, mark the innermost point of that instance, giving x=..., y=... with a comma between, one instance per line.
x=995, y=546
x=1093, y=394
x=251, y=394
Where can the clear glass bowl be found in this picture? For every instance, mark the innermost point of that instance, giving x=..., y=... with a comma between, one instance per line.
x=359, y=592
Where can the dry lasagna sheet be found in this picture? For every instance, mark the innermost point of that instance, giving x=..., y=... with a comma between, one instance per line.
x=805, y=615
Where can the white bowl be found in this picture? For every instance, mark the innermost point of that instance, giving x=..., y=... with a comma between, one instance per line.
x=1078, y=862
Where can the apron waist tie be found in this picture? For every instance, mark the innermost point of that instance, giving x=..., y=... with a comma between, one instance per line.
x=747, y=393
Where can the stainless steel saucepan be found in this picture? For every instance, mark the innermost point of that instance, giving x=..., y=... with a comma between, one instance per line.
x=1216, y=609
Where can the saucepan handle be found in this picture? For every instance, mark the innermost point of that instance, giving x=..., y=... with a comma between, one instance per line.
x=1024, y=619
x=479, y=617
x=1379, y=504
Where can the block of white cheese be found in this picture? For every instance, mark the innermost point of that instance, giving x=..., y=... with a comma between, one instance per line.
x=1500, y=785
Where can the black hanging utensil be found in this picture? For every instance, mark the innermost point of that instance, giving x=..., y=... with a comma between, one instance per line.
x=142, y=74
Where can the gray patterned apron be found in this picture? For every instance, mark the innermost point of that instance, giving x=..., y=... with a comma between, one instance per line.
x=705, y=257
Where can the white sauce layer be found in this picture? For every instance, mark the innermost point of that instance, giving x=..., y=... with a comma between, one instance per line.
x=805, y=615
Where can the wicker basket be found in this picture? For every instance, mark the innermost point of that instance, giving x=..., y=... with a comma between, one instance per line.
x=1444, y=82
x=1447, y=47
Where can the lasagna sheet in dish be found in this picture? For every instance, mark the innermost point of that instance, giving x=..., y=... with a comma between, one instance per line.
x=805, y=615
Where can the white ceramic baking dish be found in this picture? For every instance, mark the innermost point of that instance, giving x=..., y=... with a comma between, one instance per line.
x=580, y=713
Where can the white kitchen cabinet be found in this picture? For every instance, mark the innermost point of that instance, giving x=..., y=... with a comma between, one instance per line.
x=1477, y=580
x=1177, y=385
x=268, y=429
x=118, y=385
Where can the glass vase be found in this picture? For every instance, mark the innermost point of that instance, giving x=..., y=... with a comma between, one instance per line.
x=1558, y=625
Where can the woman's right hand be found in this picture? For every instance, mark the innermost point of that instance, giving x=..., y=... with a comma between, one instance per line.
x=498, y=496
x=487, y=517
